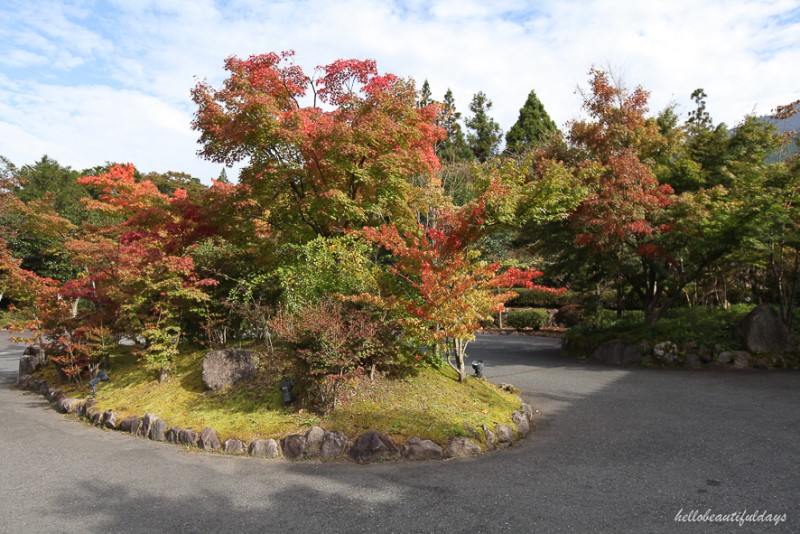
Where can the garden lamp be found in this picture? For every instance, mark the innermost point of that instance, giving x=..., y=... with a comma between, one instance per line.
x=286, y=389
x=100, y=377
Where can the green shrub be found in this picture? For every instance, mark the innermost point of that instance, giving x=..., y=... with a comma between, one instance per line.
x=700, y=326
x=530, y=298
x=535, y=318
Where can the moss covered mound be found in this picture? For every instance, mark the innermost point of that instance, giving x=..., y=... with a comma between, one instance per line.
x=429, y=403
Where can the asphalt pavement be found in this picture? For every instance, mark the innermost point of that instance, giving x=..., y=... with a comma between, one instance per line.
x=614, y=450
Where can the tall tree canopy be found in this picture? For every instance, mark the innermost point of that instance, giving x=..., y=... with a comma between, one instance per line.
x=533, y=127
x=324, y=153
x=485, y=134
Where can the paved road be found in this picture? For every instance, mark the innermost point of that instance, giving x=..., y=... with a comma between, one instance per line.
x=615, y=450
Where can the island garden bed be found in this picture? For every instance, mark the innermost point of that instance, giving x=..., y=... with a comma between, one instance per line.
x=426, y=405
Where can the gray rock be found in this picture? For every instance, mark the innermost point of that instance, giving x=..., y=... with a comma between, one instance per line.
x=293, y=446
x=462, y=446
x=522, y=422
x=147, y=423
x=372, y=446
x=87, y=406
x=725, y=357
x=68, y=405
x=158, y=431
x=97, y=418
x=741, y=359
x=666, y=352
x=417, y=449
x=110, y=420
x=693, y=361
x=27, y=365
x=130, y=425
x=617, y=353
x=489, y=437
x=233, y=446
x=22, y=381
x=313, y=443
x=174, y=434
x=32, y=358
x=505, y=436
x=208, y=439
x=762, y=330
x=528, y=411
x=188, y=437
x=265, y=448
x=223, y=368
x=333, y=445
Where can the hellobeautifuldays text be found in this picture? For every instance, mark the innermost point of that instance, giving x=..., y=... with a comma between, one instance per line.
x=739, y=518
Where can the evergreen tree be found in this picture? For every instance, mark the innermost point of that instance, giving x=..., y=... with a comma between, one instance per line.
x=425, y=95
x=452, y=148
x=533, y=126
x=484, y=138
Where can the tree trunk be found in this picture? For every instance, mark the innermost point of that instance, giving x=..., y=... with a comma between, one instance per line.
x=459, y=351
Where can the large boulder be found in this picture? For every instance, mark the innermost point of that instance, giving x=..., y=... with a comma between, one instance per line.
x=188, y=437
x=293, y=446
x=313, y=444
x=147, y=424
x=32, y=358
x=158, y=431
x=462, y=446
x=666, y=352
x=208, y=439
x=505, y=436
x=233, y=446
x=763, y=331
x=617, y=353
x=265, y=448
x=223, y=368
x=371, y=446
x=522, y=422
x=333, y=444
x=418, y=449
x=130, y=425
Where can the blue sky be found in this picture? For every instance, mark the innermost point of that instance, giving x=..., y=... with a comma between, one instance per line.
x=87, y=82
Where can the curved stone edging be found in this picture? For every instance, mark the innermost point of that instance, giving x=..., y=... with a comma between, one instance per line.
x=316, y=443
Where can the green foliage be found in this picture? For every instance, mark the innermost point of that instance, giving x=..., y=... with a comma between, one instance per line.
x=484, y=136
x=453, y=148
x=327, y=266
x=528, y=318
x=162, y=347
x=529, y=298
x=698, y=326
x=533, y=127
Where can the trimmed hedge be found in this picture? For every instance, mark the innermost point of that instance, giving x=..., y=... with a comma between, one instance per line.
x=527, y=318
x=530, y=298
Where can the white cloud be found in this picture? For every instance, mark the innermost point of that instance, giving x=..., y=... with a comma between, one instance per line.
x=131, y=65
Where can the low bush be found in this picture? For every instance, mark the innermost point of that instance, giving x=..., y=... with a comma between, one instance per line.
x=535, y=318
x=701, y=326
x=531, y=298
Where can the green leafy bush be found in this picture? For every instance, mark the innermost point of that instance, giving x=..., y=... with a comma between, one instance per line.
x=531, y=298
x=535, y=318
x=700, y=326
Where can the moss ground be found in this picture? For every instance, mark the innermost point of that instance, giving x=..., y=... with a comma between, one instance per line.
x=430, y=404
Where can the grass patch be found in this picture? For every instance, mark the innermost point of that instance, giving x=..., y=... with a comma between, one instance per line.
x=429, y=404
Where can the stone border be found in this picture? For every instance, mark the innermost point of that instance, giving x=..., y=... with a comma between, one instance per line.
x=316, y=443
x=668, y=354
